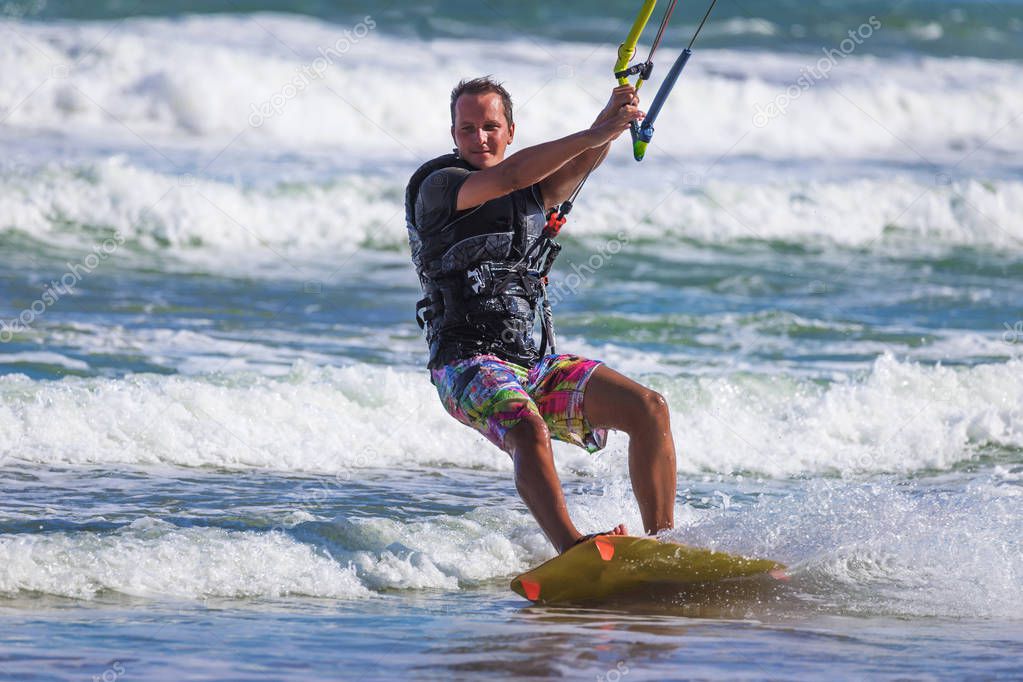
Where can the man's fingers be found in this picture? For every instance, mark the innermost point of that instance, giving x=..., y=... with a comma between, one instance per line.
x=625, y=93
x=630, y=116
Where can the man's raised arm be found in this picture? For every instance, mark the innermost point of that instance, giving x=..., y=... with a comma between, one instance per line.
x=559, y=185
x=533, y=164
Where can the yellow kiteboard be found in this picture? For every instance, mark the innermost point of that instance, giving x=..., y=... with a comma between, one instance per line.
x=609, y=565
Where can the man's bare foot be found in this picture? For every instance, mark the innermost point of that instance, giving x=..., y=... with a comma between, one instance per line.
x=617, y=530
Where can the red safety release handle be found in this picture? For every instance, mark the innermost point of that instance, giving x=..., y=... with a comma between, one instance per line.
x=555, y=221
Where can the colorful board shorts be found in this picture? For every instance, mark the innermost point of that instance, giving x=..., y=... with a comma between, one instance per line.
x=492, y=395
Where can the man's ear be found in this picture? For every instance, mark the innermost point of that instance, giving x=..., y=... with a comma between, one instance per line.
x=511, y=133
x=453, y=134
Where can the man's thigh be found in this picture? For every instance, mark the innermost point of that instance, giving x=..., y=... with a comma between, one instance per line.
x=486, y=394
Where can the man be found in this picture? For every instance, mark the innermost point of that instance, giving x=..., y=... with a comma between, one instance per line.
x=476, y=222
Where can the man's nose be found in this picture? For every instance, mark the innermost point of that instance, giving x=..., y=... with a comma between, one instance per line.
x=481, y=136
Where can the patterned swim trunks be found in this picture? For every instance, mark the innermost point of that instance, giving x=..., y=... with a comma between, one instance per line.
x=492, y=395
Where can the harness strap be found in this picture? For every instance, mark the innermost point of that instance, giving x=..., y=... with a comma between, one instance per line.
x=546, y=322
x=424, y=304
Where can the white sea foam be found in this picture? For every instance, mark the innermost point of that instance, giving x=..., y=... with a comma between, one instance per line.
x=198, y=77
x=332, y=559
x=297, y=230
x=148, y=134
x=443, y=552
x=899, y=417
x=42, y=358
x=155, y=559
x=882, y=547
x=198, y=223
x=867, y=548
x=200, y=351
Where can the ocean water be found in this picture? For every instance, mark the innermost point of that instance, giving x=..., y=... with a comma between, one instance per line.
x=221, y=457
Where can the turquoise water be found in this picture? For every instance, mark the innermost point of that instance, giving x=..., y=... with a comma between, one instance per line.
x=222, y=459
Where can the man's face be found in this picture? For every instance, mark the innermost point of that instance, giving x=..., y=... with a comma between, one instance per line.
x=481, y=131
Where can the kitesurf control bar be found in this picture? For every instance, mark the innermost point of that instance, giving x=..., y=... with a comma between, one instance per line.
x=643, y=134
x=646, y=131
x=627, y=50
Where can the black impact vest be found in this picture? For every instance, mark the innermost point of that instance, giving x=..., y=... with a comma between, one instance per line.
x=483, y=274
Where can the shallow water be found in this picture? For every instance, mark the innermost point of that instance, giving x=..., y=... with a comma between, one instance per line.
x=463, y=636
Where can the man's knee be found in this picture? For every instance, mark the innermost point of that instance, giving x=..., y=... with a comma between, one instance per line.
x=529, y=435
x=650, y=411
x=657, y=406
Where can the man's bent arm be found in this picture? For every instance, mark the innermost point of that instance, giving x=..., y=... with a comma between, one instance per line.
x=559, y=186
x=524, y=168
x=533, y=164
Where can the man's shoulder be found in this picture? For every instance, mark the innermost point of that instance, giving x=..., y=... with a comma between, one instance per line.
x=433, y=178
x=443, y=178
x=423, y=209
x=446, y=164
x=439, y=189
x=432, y=194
